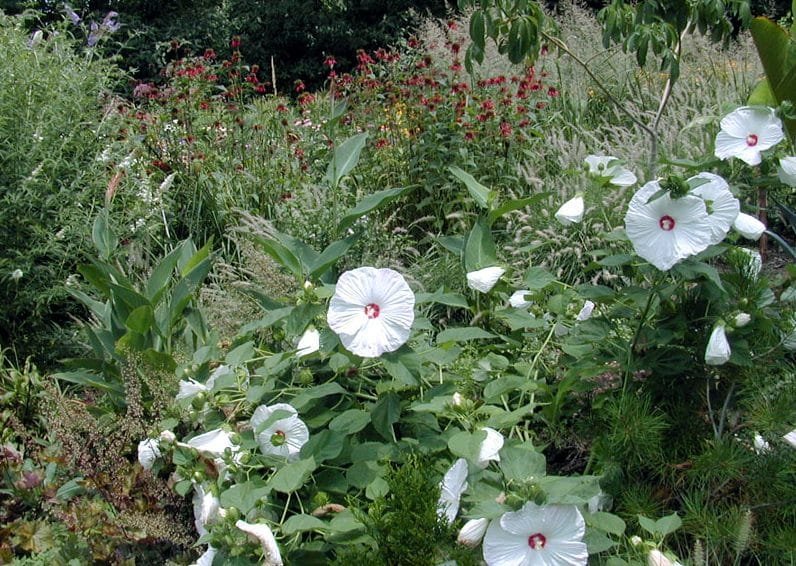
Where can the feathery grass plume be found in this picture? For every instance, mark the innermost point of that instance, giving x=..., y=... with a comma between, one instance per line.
x=743, y=533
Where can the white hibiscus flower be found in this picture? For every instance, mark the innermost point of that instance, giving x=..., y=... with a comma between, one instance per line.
x=537, y=536
x=490, y=447
x=453, y=484
x=790, y=438
x=484, y=279
x=722, y=207
x=787, y=170
x=207, y=558
x=748, y=131
x=665, y=231
x=571, y=212
x=372, y=311
x=748, y=226
x=279, y=435
x=261, y=533
x=609, y=167
x=309, y=342
x=718, y=350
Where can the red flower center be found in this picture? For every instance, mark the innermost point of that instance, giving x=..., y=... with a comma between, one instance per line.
x=537, y=541
x=751, y=140
x=666, y=223
x=372, y=310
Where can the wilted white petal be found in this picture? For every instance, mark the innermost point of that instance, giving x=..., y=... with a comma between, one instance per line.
x=148, y=452
x=472, y=532
x=749, y=226
x=760, y=444
x=372, y=311
x=490, y=447
x=207, y=558
x=585, y=312
x=214, y=442
x=453, y=484
x=518, y=300
x=609, y=167
x=787, y=171
x=190, y=389
x=262, y=534
x=571, y=212
x=484, y=279
x=790, y=438
x=718, y=349
x=206, y=507
x=310, y=342
x=656, y=558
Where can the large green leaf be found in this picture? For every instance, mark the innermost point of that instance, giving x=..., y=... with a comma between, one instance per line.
x=777, y=50
x=330, y=255
x=281, y=255
x=345, y=158
x=370, y=203
x=479, y=251
x=481, y=194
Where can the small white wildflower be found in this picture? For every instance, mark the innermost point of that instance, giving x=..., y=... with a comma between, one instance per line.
x=16, y=275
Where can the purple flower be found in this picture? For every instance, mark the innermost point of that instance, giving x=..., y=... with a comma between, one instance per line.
x=71, y=14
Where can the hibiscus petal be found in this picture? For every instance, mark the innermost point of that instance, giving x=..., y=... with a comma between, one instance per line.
x=502, y=548
x=571, y=212
x=724, y=207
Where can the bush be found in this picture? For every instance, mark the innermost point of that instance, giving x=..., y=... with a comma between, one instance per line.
x=51, y=109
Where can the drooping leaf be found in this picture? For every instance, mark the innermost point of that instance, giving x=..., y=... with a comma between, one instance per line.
x=345, y=158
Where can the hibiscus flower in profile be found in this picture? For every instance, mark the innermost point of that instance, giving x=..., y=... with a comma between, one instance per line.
x=372, y=311
x=279, y=431
x=453, y=484
x=718, y=350
x=571, y=212
x=537, y=536
x=664, y=230
x=721, y=205
x=747, y=132
x=484, y=279
x=610, y=169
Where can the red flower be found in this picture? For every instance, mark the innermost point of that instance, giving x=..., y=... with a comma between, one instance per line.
x=330, y=61
x=540, y=105
x=299, y=85
x=552, y=92
x=505, y=129
x=235, y=43
x=209, y=54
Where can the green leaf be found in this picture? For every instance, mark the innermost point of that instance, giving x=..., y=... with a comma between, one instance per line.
x=466, y=444
x=777, y=51
x=370, y=203
x=566, y=490
x=537, y=278
x=597, y=542
x=302, y=523
x=522, y=463
x=514, y=204
x=158, y=282
x=280, y=254
x=141, y=319
x=647, y=524
x=463, y=334
x=385, y=413
x=324, y=445
x=401, y=367
x=481, y=194
x=762, y=95
x=244, y=496
x=350, y=421
x=90, y=379
x=345, y=158
x=454, y=244
x=303, y=399
x=667, y=525
x=70, y=489
x=104, y=239
x=607, y=522
x=330, y=255
x=292, y=476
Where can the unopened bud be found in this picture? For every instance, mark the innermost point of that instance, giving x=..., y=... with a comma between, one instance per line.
x=472, y=532
x=742, y=319
x=167, y=436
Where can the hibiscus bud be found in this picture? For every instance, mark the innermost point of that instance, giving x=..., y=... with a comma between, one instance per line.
x=472, y=532
x=761, y=446
x=718, y=349
x=790, y=438
x=656, y=558
x=148, y=452
x=167, y=436
x=749, y=226
x=457, y=399
x=16, y=275
x=635, y=540
x=742, y=319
